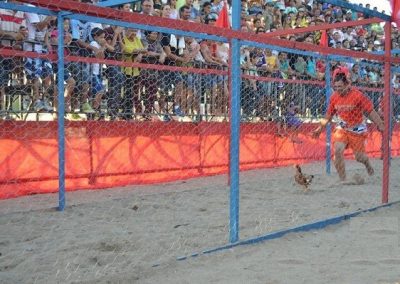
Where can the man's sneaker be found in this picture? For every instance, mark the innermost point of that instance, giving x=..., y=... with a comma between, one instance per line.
x=147, y=117
x=178, y=111
x=102, y=116
x=166, y=118
x=38, y=106
x=90, y=116
x=9, y=117
x=86, y=108
x=47, y=106
x=197, y=118
x=75, y=116
x=5, y=115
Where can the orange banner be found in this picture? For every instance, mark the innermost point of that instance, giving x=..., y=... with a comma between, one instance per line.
x=110, y=154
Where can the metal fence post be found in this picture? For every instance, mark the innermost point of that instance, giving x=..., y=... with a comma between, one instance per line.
x=235, y=126
x=60, y=114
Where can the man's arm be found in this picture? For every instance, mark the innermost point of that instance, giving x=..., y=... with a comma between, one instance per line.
x=83, y=44
x=45, y=23
x=323, y=123
x=374, y=116
x=330, y=112
x=176, y=58
x=4, y=34
x=106, y=46
x=98, y=52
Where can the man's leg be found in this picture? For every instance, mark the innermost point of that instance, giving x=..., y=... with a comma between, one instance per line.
x=363, y=158
x=339, y=159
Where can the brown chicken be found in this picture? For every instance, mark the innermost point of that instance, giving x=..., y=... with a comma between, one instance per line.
x=302, y=179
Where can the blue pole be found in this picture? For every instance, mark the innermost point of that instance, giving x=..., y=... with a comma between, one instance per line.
x=328, y=127
x=60, y=115
x=235, y=126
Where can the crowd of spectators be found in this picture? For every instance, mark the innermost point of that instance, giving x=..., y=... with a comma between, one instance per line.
x=130, y=93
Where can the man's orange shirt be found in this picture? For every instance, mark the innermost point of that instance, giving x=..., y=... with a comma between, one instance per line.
x=350, y=108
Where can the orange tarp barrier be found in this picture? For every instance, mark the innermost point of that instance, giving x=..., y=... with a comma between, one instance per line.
x=109, y=154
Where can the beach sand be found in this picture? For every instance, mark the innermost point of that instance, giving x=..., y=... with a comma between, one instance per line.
x=134, y=234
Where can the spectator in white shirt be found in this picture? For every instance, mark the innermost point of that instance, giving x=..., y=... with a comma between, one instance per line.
x=36, y=68
x=97, y=87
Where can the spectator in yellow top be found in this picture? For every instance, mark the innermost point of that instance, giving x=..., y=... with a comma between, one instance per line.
x=133, y=51
x=303, y=20
x=272, y=62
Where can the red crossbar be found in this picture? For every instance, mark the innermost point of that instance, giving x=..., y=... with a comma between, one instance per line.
x=109, y=13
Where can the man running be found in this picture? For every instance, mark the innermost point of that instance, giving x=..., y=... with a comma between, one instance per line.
x=349, y=104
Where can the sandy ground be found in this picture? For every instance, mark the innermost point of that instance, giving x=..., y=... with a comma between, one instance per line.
x=118, y=235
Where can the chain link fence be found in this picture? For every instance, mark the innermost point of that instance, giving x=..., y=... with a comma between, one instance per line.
x=143, y=104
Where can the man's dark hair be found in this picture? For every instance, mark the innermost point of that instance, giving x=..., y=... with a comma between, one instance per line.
x=260, y=30
x=206, y=4
x=183, y=8
x=253, y=55
x=97, y=32
x=341, y=76
x=121, y=6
